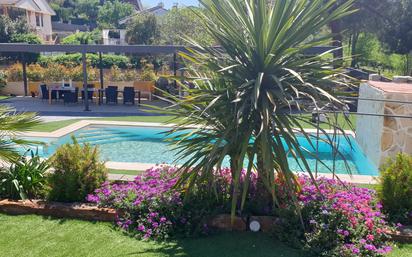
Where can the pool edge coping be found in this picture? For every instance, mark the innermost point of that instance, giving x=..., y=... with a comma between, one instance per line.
x=355, y=179
x=84, y=123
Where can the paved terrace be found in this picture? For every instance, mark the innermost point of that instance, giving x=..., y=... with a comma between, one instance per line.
x=43, y=108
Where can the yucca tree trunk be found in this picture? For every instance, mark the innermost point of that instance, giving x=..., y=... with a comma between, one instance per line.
x=236, y=169
x=263, y=193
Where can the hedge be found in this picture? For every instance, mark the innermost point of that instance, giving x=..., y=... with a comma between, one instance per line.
x=108, y=60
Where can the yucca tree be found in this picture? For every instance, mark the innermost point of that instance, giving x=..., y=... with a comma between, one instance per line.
x=239, y=104
x=11, y=123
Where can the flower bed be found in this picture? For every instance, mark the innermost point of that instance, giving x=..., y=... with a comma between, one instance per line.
x=149, y=206
x=339, y=219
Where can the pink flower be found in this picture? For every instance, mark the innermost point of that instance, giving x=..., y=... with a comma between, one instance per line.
x=370, y=237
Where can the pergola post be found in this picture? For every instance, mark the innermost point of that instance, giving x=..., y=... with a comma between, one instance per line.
x=101, y=70
x=85, y=89
x=25, y=83
x=175, y=73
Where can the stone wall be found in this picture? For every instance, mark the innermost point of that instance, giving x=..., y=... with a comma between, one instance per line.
x=397, y=132
x=370, y=142
x=383, y=137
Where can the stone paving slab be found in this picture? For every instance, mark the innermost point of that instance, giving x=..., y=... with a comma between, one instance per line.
x=29, y=104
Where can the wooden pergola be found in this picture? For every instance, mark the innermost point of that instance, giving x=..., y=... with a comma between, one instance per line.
x=100, y=49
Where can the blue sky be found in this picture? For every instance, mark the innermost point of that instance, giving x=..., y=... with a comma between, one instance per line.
x=169, y=3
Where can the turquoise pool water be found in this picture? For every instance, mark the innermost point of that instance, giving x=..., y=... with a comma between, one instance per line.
x=146, y=145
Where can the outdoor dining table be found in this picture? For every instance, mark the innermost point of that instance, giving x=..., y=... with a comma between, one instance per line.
x=101, y=92
x=60, y=88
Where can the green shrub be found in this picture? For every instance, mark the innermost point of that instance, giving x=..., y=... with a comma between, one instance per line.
x=77, y=172
x=82, y=38
x=3, y=79
x=108, y=60
x=28, y=38
x=25, y=179
x=395, y=189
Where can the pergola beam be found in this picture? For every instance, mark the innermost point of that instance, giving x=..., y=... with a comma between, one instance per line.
x=136, y=49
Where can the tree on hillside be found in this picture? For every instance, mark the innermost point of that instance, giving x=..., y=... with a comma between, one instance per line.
x=112, y=12
x=142, y=29
x=181, y=22
x=9, y=27
x=368, y=16
x=396, y=33
x=88, y=10
x=65, y=10
x=17, y=31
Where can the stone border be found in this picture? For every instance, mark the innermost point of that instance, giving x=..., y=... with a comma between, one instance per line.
x=359, y=179
x=403, y=235
x=81, y=211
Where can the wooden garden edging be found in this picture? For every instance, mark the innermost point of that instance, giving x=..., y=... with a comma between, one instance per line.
x=60, y=210
x=402, y=235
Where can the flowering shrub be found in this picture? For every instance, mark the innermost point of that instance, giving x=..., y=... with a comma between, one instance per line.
x=117, y=74
x=51, y=73
x=151, y=207
x=339, y=219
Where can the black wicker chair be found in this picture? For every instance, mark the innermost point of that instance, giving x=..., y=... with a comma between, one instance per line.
x=129, y=95
x=71, y=97
x=45, y=93
x=111, y=94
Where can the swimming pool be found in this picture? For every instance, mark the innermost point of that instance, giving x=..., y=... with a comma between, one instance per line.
x=146, y=145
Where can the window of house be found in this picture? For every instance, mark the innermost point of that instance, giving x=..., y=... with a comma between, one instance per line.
x=39, y=20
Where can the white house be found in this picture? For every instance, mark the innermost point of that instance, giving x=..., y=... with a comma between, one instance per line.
x=118, y=36
x=37, y=12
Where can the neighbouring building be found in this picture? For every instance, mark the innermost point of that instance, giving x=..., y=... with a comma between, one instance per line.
x=118, y=36
x=37, y=13
x=114, y=36
x=62, y=30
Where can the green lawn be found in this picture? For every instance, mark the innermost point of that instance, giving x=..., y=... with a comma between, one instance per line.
x=4, y=97
x=32, y=235
x=341, y=121
x=37, y=236
x=125, y=172
x=54, y=125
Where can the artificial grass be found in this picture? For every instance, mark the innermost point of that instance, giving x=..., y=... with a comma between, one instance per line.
x=38, y=236
x=341, y=121
x=52, y=126
x=55, y=125
x=125, y=172
x=30, y=235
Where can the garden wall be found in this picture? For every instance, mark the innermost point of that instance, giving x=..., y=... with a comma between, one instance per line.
x=383, y=137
